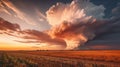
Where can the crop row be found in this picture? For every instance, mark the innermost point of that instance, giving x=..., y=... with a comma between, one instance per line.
x=47, y=61
x=10, y=61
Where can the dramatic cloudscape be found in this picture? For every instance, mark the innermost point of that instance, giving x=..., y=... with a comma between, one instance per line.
x=59, y=24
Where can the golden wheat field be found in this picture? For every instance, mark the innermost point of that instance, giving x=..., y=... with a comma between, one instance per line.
x=83, y=58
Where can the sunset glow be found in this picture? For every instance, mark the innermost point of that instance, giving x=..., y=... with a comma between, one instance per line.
x=68, y=25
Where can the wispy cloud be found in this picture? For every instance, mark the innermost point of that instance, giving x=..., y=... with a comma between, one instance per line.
x=28, y=36
x=17, y=13
x=5, y=25
x=41, y=15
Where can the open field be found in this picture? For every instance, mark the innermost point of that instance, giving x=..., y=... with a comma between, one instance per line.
x=84, y=58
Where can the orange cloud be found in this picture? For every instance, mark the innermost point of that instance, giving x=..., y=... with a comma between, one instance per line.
x=19, y=14
x=30, y=36
x=5, y=25
x=71, y=27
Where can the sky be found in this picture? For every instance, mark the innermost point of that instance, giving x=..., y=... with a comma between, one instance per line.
x=59, y=24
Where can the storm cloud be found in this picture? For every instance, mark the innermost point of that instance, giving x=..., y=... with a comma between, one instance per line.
x=73, y=26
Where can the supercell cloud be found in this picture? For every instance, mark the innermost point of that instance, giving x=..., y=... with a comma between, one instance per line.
x=72, y=25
